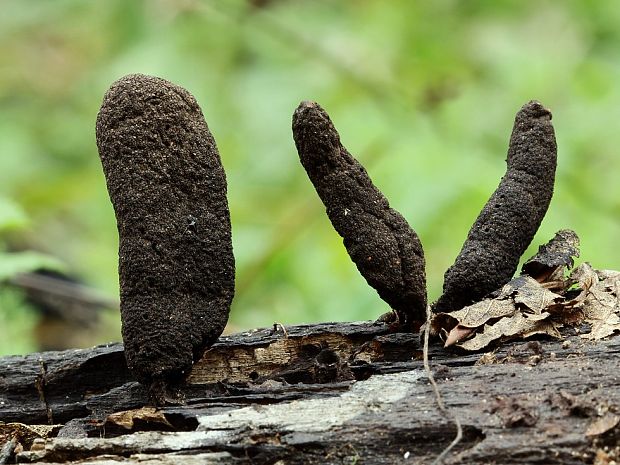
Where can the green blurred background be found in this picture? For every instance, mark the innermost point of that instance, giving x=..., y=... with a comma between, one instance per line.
x=423, y=93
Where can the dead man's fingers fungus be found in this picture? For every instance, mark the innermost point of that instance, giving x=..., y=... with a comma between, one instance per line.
x=508, y=222
x=379, y=240
x=168, y=189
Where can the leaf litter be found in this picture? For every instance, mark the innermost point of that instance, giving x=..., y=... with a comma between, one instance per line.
x=131, y=419
x=542, y=300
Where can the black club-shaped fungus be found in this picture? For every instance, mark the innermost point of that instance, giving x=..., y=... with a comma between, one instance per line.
x=379, y=240
x=168, y=188
x=508, y=222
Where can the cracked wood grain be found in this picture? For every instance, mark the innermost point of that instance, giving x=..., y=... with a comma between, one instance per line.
x=533, y=404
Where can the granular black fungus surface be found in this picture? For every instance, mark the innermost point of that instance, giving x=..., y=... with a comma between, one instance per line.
x=168, y=189
x=511, y=217
x=379, y=240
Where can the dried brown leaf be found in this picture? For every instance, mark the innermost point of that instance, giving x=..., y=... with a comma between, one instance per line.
x=609, y=278
x=493, y=319
x=585, y=276
x=26, y=434
x=475, y=315
x=607, y=325
x=515, y=325
x=543, y=327
x=603, y=298
x=457, y=334
x=553, y=257
x=525, y=307
x=441, y=323
x=128, y=418
x=601, y=309
x=529, y=292
x=602, y=425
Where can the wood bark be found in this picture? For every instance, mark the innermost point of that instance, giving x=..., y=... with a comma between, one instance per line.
x=339, y=393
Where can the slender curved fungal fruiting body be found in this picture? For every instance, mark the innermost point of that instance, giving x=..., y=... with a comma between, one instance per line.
x=168, y=188
x=508, y=222
x=379, y=240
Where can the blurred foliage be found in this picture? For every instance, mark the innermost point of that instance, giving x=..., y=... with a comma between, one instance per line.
x=423, y=93
x=18, y=322
x=17, y=319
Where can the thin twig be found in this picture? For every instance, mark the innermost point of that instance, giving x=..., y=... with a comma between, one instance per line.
x=63, y=288
x=277, y=326
x=440, y=404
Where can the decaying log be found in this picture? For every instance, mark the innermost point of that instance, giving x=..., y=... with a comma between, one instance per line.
x=326, y=393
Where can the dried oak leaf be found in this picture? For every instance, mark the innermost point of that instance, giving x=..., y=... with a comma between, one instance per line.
x=473, y=316
x=518, y=311
x=585, y=277
x=604, y=318
x=26, y=434
x=553, y=257
x=570, y=310
x=598, y=300
x=610, y=279
x=525, y=305
x=602, y=425
x=519, y=324
x=529, y=293
x=479, y=313
x=128, y=419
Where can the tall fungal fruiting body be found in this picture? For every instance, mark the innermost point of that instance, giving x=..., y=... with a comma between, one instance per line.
x=168, y=189
x=379, y=240
x=511, y=217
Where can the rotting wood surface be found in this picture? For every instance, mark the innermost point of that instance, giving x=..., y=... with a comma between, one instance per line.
x=326, y=393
